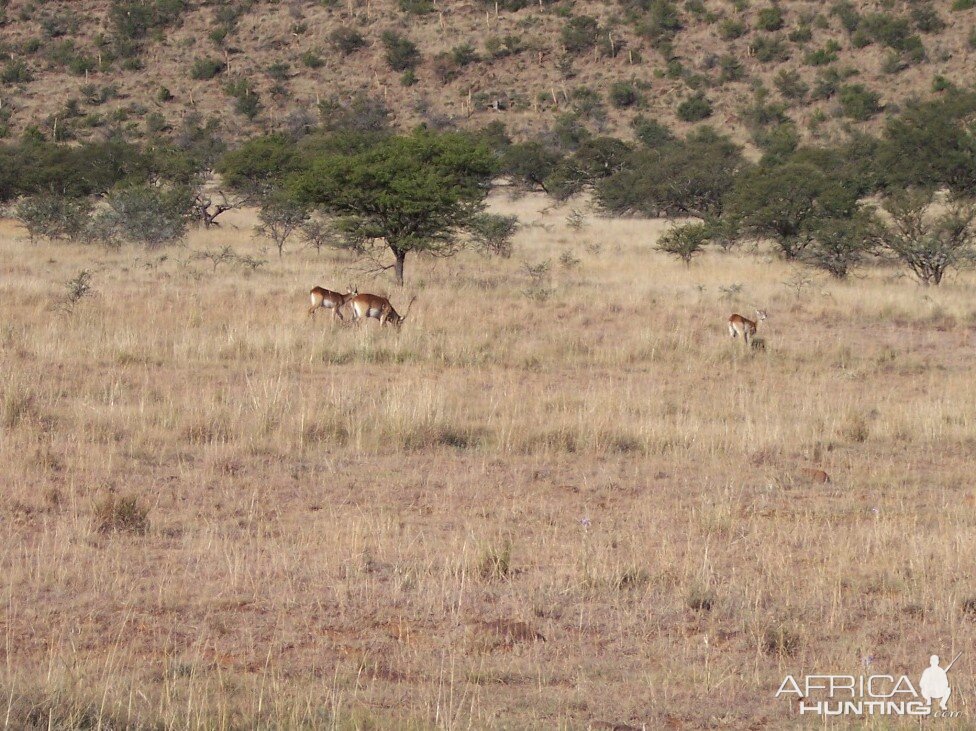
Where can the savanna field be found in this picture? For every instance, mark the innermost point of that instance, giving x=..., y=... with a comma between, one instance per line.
x=549, y=502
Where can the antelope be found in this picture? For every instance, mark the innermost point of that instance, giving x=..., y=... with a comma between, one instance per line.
x=372, y=305
x=330, y=300
x=738, y=325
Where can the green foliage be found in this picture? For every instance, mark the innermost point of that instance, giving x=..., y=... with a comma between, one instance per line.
x=858, y=103
x=846, y=11
x=684, y=177
x=402, y=54
x=362, y=113
x=134, y=19
x=259, y=165
x=769, y=48
x=53, y=217
x=731, y=68
x=580, y=34
x=623, y=94
x=823, y=56
x=894, y=33
x=730, y=29
x=529, y=164
x=695, y=108
x=493, y=233
x=312, y=60
x=791, y=85
x=932, y=144
x=927, y=241
x=416, y=193
x=594, y=159
x=16, y=72
x=770, y=19
x=958, y=5
x=146, y=215
x=500, y=47
x=416, y=7
x=927, y=19
x=651, y=132
x=206, y=68
x=346, y=40
x=279, y=71
x=685, y=241
x=782, y=202
x=660, y=22
x=838, y=245
x=281, y=218
x=247, y=100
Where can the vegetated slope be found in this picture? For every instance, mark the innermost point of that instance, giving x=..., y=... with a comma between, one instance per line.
x=73, y=68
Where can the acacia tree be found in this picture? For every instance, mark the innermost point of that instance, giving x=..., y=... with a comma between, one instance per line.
x=928, y=242
x=416, y=193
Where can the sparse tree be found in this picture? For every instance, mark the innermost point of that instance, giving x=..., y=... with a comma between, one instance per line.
x=493, y=233
x=144, y=214
x=417, y=193
x=280, y=219
x=927, y=241
x=685, y=241
x=840, y=244
x=53, y=217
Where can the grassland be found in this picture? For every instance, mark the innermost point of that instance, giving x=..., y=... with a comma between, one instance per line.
x=516, y=512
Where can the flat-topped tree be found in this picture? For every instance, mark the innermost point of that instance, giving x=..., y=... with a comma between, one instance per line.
x=415, y=193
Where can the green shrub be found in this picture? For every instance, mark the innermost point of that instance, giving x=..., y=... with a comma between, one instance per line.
x=858, y=102
x=500, y=47
x=791, y=85
x=134, y=19
x=53, y=217
x=927, y=19
x=823, y=56
x=695, y=108
x=963, y=5
x=16, y=72
x=416, y=7
x=279, y=71
x=206, y=68
x=846, y=11
x=801, y=35
x=769, y=48
x=684, y=242
x=247, y=101
x=731, y=68
x=346, y=40
x=770, y=19
x=623, y=94
x=312, y=60
x=580, y=34
x=402, y=54
x=730, y=29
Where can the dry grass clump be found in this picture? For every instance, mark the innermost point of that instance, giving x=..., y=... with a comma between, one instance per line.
x=337, y=511
x=121, y=514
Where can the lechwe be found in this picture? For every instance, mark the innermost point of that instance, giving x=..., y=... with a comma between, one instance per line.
x=372, y=305
x=330, y=300
x=738, y=325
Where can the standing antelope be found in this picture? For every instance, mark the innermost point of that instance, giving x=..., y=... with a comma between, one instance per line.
x=738, y=325
x=330, y=300
x=372, y=305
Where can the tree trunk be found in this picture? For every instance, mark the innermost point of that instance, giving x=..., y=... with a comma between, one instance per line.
x=401, y=256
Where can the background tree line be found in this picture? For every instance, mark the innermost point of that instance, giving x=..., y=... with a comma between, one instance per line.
x=352, y=182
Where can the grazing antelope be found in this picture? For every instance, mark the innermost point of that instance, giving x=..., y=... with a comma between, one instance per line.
x=330, y=300
x=372, y=305
x=738, y=325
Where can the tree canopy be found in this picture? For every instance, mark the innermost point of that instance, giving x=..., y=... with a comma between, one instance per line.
x=416, y=193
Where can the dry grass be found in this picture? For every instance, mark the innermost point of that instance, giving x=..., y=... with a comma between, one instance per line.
x=511, y=513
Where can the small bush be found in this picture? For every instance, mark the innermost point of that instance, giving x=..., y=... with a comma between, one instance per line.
x=858, y=102
x=731, y=68
x=206, y=68
x=121, y=515
x=16, y=72
x=623, y=94
x=684, y=242
x=402, y=54
x=278, y=71
x=963, y=5
x=580, y=34
x=346, y=40
x=769, y=48
x=53, y=217
x=730, y=29
x=770, y=19
x=312, y=60
x=927, y=19
x=822, y=56
x=695, y=108
x=791, y=85
x=493, y=233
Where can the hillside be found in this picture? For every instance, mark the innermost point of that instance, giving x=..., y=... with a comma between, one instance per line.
x=74, y=69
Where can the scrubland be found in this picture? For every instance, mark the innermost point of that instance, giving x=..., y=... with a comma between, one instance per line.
x=541, y=504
